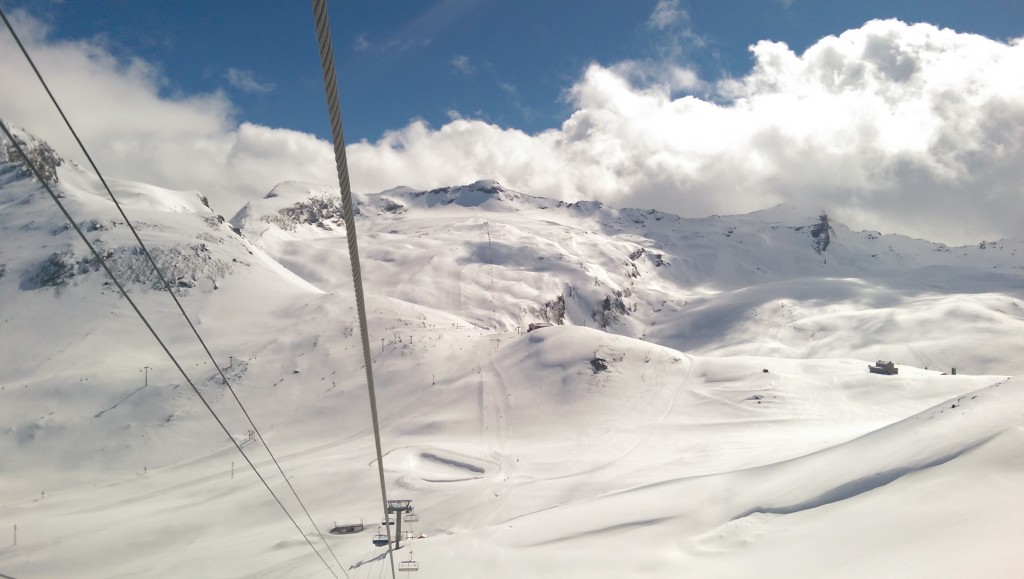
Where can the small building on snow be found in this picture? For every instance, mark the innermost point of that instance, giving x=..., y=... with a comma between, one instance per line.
x=884, y=367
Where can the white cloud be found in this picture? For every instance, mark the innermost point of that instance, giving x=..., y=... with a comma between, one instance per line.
x=245, y=81
x=672, y=31
x=135, y=132
x=666, y=13
x=462, y=64
x=890, y=126
x=360, y=44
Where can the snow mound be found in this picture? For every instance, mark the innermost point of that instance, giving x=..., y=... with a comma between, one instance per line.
x=438, y=465
x=908, y=475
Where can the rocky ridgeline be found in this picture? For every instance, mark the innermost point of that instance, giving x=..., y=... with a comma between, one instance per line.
x=324, y=211
x=39, y=153
x=49, y=254
x=183, y=266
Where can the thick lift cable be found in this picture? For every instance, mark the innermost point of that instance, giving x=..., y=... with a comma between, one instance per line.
x=323, y=35
x=166, y=285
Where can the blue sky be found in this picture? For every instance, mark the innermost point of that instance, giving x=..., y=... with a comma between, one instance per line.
x=505, y=62
x=869, y=110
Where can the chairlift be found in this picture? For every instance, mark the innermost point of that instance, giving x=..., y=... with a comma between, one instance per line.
x=380, y=539
x=411, y=517
x=388, y=521
x=409, y=565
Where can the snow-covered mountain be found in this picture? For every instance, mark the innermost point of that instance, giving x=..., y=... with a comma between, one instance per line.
x=776, y=282
x=700, y=407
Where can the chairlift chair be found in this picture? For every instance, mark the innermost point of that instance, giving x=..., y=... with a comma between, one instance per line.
x=409, y=565
x=380, y=539
x=411, y=517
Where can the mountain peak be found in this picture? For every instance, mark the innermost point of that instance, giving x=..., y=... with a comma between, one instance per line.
x=472, y=195
x=38, y=151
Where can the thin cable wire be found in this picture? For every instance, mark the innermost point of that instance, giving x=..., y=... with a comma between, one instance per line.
x=168, y=287
x=323, y=34
x=152, y=331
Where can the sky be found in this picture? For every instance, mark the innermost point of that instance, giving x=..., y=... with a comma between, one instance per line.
x=899, y=116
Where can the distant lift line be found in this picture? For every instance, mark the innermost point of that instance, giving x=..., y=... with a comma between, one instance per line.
x=124, y=293
x=102, y=262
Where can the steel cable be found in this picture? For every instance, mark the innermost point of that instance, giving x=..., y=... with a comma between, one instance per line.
x=166, y=286
x=323, y=34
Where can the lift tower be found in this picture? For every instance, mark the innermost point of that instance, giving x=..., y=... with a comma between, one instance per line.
x=399, y=507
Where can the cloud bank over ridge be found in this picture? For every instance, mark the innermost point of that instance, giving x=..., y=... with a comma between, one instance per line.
x=892, y=126
x=907, y=127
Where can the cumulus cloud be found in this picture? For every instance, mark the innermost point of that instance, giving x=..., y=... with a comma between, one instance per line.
x=244, y=81
x=890, y=126
x=134, y=131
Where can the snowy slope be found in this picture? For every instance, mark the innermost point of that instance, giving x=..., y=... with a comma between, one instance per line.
x=60, y=315
x=702, y=406
x=759, y=284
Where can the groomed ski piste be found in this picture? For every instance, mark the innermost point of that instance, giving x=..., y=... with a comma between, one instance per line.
x=700, y=405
